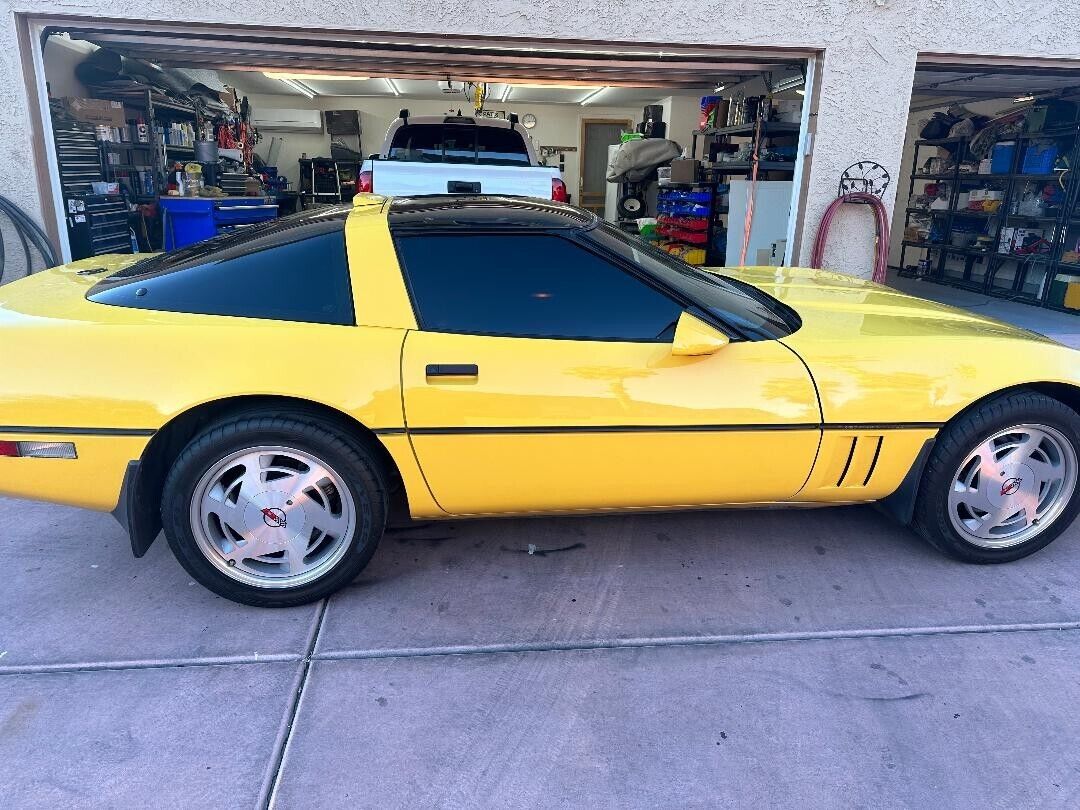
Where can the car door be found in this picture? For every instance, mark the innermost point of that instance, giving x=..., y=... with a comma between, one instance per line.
x=542, y=379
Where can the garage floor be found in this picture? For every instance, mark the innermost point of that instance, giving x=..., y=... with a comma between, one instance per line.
x=820, y=658
x=1061, y=326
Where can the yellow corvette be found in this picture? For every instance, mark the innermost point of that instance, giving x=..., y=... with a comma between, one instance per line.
x=270, y=396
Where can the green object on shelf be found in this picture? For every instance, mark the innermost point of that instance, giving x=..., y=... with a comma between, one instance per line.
x=630, y=136
x=1058, y=288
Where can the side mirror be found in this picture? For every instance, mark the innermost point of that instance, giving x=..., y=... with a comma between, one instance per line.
x=694, y=337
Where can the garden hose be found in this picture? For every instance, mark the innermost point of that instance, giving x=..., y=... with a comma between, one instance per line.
x=881, y=242
x=30, y=236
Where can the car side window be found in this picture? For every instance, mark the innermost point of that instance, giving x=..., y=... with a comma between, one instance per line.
x=529, y=285
x=291, y=272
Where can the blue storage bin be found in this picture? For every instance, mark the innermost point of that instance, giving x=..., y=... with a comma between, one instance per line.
x=1001, y=157
x=244, y=212
x=671, y=195
x=186, y=220
x=1039, y=157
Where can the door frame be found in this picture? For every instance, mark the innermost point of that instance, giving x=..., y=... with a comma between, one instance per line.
x=624, y=122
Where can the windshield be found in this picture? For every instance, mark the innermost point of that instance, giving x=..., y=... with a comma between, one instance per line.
x=756, y=315
x=459, y=143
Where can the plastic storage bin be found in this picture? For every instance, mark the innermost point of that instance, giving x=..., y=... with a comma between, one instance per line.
x=1001, y=157
x=1039, y=157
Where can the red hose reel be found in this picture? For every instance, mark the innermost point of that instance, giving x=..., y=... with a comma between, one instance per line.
x=881, y=222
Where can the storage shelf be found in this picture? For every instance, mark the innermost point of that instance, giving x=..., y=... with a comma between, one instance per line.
x=126, y=146
x=940, y=141
x=1026, y=218
x=763, y=166
x=968, y=251
x=747, y=130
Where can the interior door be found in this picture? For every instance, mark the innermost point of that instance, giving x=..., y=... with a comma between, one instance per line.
x=601, y=416
x=596, y=137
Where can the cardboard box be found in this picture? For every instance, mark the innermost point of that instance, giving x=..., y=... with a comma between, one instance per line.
x=684, y=171
x=96, y=111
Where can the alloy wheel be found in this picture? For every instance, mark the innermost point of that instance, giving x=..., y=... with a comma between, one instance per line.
x=272, y=516
x=1012, y=486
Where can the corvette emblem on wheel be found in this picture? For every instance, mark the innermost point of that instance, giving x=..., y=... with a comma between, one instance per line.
x=274, y=517
x=1011, y=486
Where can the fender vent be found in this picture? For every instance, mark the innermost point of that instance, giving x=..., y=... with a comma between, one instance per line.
x=861, y=455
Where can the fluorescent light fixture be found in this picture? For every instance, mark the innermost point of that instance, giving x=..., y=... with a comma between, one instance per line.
x=593, y=95
x=1023, y=99
x=546, y=85
x=322, y=77
x=800, y=92
x=299, y=88
x=506, y=93
x=720, y=88
x=393, y=87
x=789, y=83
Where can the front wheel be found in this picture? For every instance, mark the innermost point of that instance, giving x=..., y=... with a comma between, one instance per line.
x=274, y=512
x=1001, y=482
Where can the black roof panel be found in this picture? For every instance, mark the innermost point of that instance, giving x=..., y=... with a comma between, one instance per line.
x=448, y=211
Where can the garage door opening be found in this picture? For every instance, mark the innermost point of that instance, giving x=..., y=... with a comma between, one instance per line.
x=160, y=137
x=988, y=197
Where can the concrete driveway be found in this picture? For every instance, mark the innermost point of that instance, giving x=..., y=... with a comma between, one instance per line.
x=821, y=658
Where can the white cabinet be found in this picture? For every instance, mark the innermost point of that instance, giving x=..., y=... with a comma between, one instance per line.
x=772, y=208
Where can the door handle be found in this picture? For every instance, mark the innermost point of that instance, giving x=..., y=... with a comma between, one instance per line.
x=452, y=370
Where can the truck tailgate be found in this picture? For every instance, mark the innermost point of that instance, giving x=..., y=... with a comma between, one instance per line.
x=397, y=178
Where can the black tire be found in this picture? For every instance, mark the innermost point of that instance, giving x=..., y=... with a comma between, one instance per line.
x=631, y=206
x=961, y=437
x=354, y=463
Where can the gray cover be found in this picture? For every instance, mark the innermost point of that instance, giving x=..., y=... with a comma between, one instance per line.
x=636, y=160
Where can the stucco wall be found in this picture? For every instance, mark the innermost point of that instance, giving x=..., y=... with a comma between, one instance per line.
x=869, y=51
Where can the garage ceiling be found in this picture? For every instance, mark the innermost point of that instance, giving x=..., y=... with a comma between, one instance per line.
x=498, y=92
x=941, y=85
x=428, y=58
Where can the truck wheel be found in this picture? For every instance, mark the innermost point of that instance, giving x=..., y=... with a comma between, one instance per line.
x=1001, y=482
x=631, y=206
x=274, y=511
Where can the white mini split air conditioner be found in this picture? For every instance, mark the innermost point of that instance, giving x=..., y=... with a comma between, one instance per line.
x=288, y=120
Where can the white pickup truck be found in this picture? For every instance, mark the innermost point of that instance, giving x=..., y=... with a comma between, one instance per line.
x=455, y=154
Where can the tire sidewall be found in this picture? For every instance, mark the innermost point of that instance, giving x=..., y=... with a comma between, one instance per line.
x=957, y=444
x=351, y=463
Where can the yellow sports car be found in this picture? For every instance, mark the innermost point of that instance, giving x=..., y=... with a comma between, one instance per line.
x=270, y=396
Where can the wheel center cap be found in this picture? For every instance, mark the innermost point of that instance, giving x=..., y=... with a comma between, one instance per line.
x=273, y=518
x=1014, y=482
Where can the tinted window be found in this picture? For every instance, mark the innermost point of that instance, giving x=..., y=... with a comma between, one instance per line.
x=529, y=285
x=459, y=143
x=293, y=269
x=755, y=314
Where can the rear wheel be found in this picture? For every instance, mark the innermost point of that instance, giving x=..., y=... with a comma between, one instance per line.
x=1001, y=482
x=274, y=511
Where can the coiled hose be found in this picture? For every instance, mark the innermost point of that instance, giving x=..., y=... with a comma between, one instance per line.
x=881, y=221
x=31, y=236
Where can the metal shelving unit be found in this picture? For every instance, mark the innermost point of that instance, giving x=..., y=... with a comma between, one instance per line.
x=715, y=210
x=1023, y=277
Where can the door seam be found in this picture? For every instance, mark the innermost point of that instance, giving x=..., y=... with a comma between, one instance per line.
x=405, y=422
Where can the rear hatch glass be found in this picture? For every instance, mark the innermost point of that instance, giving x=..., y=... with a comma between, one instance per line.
x=459, y=143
